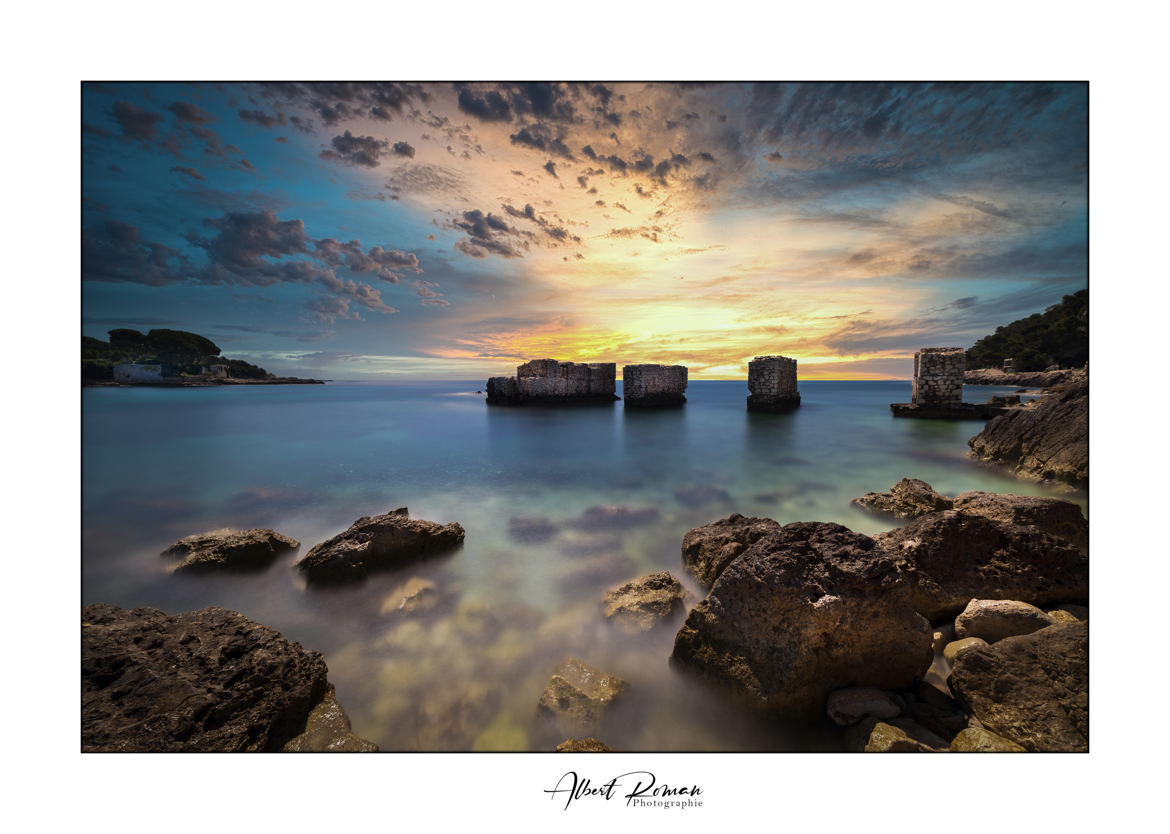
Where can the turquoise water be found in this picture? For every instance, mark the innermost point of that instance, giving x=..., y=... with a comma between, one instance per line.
x=160, y=463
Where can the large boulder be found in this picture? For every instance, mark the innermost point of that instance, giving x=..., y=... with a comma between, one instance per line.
x=645, y=602
x=994, y=619
x=235, y=550
x=909, y=498
x=808, y=609
x=978, y=740
x=204, y=681
x=578, y=697
x=1052, y=515
x=378, y=542
x=1047, y=439
x=707, y=550
x=1032, y=690
x=954, y=558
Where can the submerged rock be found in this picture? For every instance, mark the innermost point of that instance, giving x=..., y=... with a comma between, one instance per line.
x=954, y=558
x=531, y=530
x=707, y=550
x=328, y=731
x=1048, y=438
x=614, y=518
x=412, y=597
x=1032, y=690
x=808, y=609
x=909, y=498
x=578, y=697
x=227, y=549
x=645, y=602
x=583, y=745
x=701, y=496
x=1051, y=515
x=993, y=620
x=378, y=542
x=204, y=681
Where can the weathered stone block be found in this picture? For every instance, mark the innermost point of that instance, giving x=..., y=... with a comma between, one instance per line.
x=772, y=384
x=648, y=385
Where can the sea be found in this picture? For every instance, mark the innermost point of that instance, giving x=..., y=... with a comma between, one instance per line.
x=308, y=460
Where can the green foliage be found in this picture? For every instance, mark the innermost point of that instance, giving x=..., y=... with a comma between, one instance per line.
x=179, y=352
x=1058, y=335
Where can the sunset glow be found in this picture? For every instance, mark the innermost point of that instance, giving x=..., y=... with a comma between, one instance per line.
x=454, y=230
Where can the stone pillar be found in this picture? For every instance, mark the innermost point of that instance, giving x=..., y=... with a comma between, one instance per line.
x=772, y=384
x=651, y=385
x=547, y=380
x=938, y=377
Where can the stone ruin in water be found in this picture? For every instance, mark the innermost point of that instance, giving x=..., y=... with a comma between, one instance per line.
x=937, y=386
x=772, y=384
x=654, y=385
x=550, y=381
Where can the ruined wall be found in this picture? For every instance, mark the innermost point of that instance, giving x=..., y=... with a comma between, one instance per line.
x=550, y=380
x=654, y=384
x=138, y=373
x=938, y=376
x=772, y=384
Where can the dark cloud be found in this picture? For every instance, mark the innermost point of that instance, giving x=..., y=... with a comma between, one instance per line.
x=348, y=149
x=424, y=178
x=487, y=235
x=115, y=251
x=135, y=122
x=186, y=112
x=334, y=102
x=388, y=264
x=558, y=233
x=489, y=107
x=543, y=138
x=403, y=149
x=651, y=233
x=259, y=117
x=551, y=167
x=190, y=172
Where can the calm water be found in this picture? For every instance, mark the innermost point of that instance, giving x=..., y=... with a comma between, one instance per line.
x=159, y=464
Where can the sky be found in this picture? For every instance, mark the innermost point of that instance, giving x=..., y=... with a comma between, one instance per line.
x=387, y=231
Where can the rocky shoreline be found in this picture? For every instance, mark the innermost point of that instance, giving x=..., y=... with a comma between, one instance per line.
x=1025, y=379
x=203, y=382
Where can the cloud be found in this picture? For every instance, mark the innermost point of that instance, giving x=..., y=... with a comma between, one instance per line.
x=403, y=149
x=543, y=138
x=488, y=107
x=135, y=122
x=388, y=264
x=259, y=117
x=558, y=233
x=115, y=251
x=488, y=235
x=186, y=112
x=190, y=172
x=551, y=167
x=356, y=150
x=425, y=178
x=426, y=291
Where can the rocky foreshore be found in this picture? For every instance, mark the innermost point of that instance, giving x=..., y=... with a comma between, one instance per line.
x=1025, y=379
x=204, y=681
x=1047, y=439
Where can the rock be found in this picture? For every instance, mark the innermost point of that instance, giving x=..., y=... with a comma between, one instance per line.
x=204, y=681
x=939, y=715
x=1051, y=515
x=646, y=602
x=808, y=609
x=328, y=731
x=1077, y=612
x=954, y=558
x=707, y=550
x=578, y=697
x=583, y=745
x=909, y=498
x=238, y=550
x=880, y=737
x=993, y=620
x=531, y=530
x=1061, y=616
x=1033, y=379
x=701, y=496
x=952, y=649
x=378, y=542
x=614, y=518
x=846, y=707
x=412, y=597
x=1032, y=690
x=1048, y=438
x=974, y=740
